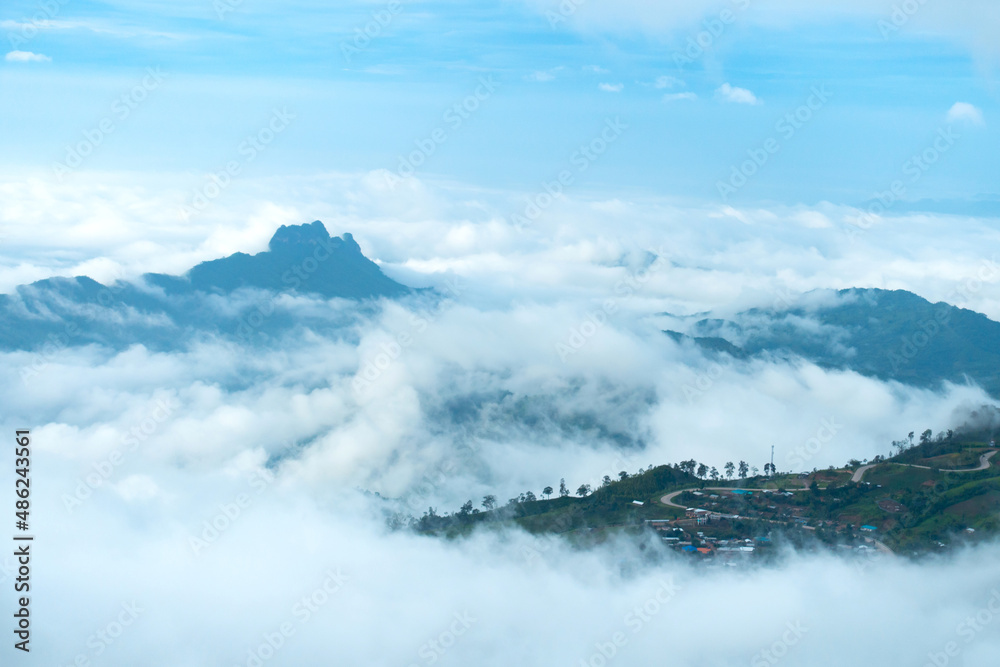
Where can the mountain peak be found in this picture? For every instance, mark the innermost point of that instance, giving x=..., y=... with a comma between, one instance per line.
x=303, y=258
x=290, y=236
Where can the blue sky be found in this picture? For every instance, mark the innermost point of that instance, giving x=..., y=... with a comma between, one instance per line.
x=557, y=85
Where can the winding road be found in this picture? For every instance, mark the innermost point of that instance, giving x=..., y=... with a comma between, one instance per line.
x=984, y=463
x=669, y=498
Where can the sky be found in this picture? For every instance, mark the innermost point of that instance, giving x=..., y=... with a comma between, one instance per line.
x=362, y=103
x=524, y=157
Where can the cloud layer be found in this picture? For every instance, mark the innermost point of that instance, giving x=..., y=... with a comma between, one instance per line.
x=211, y=488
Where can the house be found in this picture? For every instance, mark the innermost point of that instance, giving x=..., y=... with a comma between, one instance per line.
x=636, y=502
x=869, y=529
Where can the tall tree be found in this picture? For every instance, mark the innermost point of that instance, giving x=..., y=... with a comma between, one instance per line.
x=714, y=474
x=744, y=469
x=583, y=490
x=730, y=469
x=547, y=492
x=489, y=502
x=702, y=470
x=563, y=491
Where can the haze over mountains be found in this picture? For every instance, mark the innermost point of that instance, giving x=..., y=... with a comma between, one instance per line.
x=887, y=334
x=219, y=296
x=890, y=335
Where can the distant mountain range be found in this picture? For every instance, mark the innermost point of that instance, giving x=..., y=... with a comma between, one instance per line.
x=234, y=295
x=891, y=335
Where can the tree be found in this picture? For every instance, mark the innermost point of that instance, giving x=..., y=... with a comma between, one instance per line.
x=547, y=492
x=529, y=497
x=702, y=470
x=925, y=437
x=622, y=476
x=489, y=502
x=563, y=491
x=730, y=469
x=583, y=490
x=714, y=474
x=466, y=509
x=688, y=466
x=755, y=470
x=606, y=480
x=744, y=469
x=910, y=436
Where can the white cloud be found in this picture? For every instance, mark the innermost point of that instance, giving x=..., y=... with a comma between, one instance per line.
x=965, y=112
x=667, y=82
x=612, y=87
x=673, y=97
x=974, y=23
x=26, y=57
x=290, y=402
x=736, y=95
x=543, y=76
x=596, y=69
